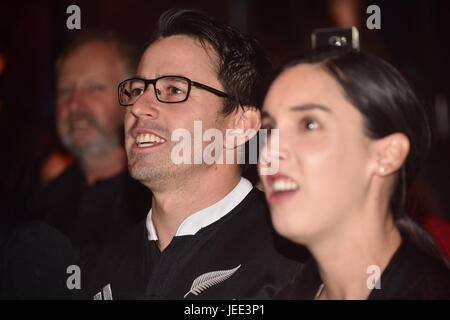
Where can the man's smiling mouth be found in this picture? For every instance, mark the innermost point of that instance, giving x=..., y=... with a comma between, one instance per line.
x=145, y=140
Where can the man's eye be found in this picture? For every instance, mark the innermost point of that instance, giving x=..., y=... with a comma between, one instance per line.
x=136, y=92
x=62, y=91
x=97, y=88
x=174, y=90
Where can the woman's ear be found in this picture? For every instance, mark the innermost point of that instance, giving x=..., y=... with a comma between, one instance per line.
x=243, y=125
x=391, y=153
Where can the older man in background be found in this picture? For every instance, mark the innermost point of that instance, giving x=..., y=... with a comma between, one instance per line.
x=95, y=199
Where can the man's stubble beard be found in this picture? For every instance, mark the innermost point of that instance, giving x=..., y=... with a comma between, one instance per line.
x=165, y=173
x=169, y=175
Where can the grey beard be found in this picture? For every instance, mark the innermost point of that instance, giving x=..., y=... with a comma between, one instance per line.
x=104, y=142
x=99, y=146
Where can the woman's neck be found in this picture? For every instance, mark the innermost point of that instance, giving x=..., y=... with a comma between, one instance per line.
x=354, y=254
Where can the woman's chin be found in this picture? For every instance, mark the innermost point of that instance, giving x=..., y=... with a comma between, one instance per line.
x=290, y=227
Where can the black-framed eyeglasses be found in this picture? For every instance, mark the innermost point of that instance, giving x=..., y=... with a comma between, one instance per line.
x=168, y=89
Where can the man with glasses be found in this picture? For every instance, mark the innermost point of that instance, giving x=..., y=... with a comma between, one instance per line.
x=208, y=234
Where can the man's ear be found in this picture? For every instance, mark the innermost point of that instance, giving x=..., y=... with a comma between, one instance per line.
x=391, y=153
x=243, y=125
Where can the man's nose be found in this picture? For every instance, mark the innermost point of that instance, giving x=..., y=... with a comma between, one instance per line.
x=146, y=105
x=76, y=99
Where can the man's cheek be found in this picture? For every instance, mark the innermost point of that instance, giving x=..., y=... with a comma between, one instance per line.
x=62, y=122
x=61, y=112
x=127, y=129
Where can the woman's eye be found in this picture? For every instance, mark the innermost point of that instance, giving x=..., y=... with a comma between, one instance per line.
x=268, y=127
x=310, y=125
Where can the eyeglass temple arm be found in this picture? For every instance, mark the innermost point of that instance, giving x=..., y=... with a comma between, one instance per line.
x=212, y=90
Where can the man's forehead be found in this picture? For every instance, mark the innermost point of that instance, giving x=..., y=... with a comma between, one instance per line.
x=178, y=55
x=95, y=49
x=92, y=58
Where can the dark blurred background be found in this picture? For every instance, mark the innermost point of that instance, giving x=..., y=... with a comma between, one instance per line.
x=413, y=36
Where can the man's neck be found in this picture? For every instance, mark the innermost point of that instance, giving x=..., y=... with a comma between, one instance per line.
x=171, y=207
x=103, y=166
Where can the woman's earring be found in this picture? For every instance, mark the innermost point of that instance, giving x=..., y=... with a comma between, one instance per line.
x=381, y=170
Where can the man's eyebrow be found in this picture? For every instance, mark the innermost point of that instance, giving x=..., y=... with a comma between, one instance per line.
x=310, y=106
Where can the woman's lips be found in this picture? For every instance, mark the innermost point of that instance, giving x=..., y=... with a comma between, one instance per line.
x=281, y=188
x=279, y=197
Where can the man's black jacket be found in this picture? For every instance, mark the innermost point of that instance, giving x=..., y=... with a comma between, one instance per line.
x=239, y=257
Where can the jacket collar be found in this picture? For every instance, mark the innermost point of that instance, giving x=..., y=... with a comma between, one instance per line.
x=203, y=218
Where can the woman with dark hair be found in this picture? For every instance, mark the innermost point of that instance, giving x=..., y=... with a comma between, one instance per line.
x=352, y=135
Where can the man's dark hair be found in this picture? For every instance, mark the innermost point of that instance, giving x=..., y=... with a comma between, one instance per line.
x=127, y=52
x=242, y=67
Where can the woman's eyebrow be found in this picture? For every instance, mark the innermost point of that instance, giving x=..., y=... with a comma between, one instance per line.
x=310, y=106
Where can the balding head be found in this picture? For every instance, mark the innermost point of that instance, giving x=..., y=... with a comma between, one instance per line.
x=89, y=118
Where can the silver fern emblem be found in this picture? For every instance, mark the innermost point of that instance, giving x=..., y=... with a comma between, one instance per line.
x=107, y=293
x=210, y=279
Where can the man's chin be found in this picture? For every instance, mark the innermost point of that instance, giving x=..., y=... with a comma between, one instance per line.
x=145, y=172
x=89, y=141
x=81, y=138
x=82, y=147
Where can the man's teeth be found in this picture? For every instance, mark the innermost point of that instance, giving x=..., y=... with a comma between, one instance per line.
x=147, y=139
x=284, y=185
